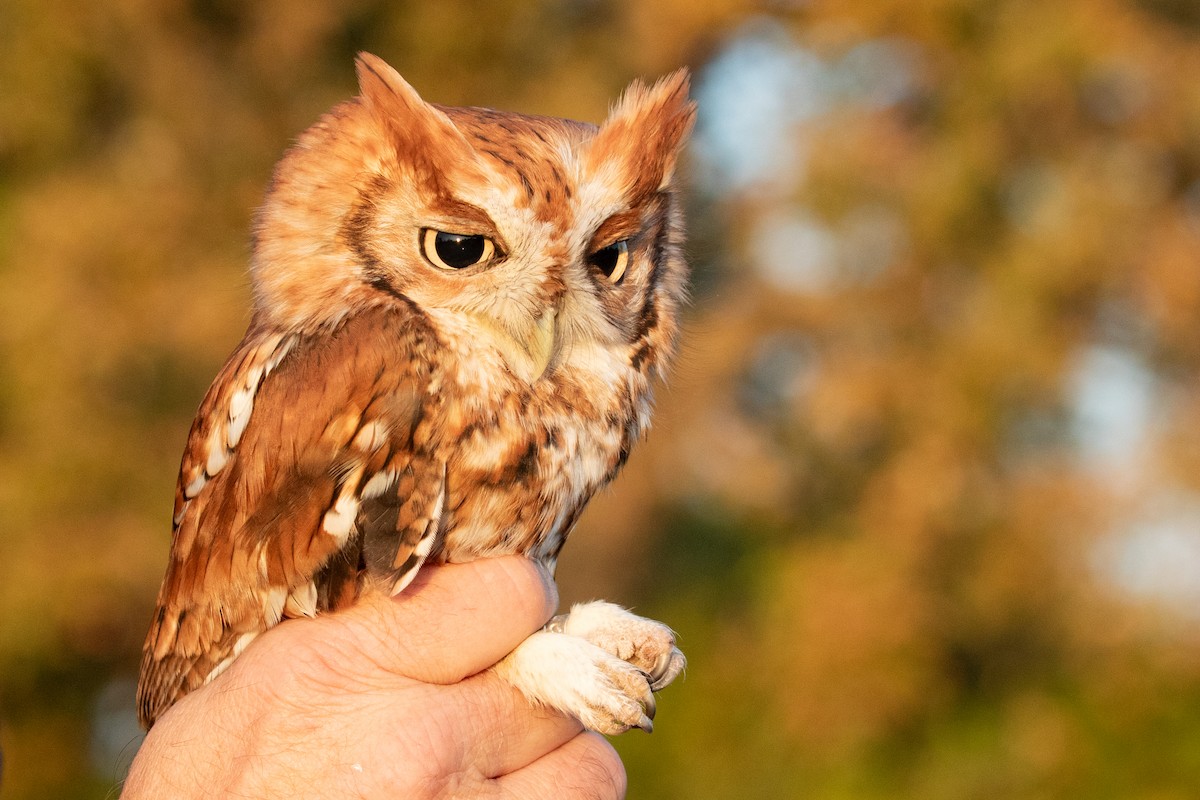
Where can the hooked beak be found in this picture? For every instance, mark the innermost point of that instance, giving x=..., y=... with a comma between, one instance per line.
x=540, y=346
x=528, y=350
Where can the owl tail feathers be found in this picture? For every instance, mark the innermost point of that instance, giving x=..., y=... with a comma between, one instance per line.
x=164, y=680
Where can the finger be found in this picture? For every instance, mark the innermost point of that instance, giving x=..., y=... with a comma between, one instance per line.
x=585, y=767
x=456, y=620
x=504, y=731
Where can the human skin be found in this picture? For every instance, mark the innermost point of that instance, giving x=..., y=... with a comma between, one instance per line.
x=389, y=698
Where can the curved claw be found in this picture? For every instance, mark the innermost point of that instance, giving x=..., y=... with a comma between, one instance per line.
x=644, y=659
x=650, y=705
x=660, y=668
x=667, y=667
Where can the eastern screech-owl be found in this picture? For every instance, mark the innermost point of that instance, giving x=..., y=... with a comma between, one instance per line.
x=458, y=316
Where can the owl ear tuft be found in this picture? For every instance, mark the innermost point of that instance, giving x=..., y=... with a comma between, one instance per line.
x=421, y=133
x=379, y=82
x=645, y=131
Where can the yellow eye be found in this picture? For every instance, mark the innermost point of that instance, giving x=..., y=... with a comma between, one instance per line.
x=453, y=251
x=611, y=260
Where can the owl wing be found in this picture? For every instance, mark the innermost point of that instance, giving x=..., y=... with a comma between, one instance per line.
x=307, y=465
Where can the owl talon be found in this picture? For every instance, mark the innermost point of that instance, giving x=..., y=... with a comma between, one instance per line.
x=667, y=667
x=644, y=643
x=574, y=676
x=662, y=667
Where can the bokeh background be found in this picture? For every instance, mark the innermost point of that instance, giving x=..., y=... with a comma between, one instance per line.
x=923, y=499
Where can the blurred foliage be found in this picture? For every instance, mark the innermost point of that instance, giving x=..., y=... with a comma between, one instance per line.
x=922, y=501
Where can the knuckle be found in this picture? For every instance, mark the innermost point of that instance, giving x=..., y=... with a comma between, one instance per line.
x=525, y=579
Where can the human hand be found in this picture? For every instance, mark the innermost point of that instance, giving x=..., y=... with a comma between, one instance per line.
x=389, y=698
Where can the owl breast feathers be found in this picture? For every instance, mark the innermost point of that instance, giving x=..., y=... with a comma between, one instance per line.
x=458, y=316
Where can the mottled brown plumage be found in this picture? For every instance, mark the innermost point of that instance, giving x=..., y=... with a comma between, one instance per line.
x=387, y=408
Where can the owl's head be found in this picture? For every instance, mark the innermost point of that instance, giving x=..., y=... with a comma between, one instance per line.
x=551, y=239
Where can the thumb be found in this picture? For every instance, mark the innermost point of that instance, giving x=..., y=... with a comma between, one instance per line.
x=453, y=621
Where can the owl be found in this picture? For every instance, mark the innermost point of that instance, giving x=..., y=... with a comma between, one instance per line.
x=459, y=316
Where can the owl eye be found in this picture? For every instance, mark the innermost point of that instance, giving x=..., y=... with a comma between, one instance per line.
x=451, y=251
x=611, y=260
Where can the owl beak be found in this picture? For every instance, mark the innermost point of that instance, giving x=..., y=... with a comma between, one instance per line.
x=540, y=346
x=528, y=349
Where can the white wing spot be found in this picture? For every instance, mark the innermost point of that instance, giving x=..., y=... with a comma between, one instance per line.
x=240, y=407
x=218, y=456
x=281, y=350
x=273, y=601
x=340, y=519
x=380, y=482
x=193, y=488
x=302, y=602
x=371, y=437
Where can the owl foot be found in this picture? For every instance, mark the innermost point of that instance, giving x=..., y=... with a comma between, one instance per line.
x=574, y=676
x=645, y=643
x=600, y=664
